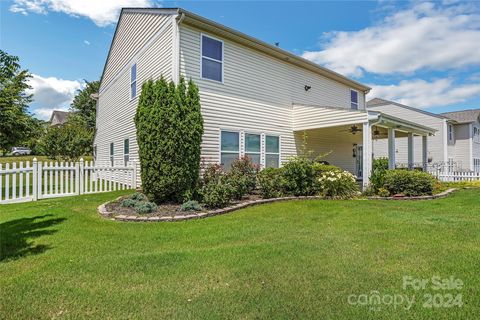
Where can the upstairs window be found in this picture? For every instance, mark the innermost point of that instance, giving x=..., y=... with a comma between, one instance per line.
x=133, y=81
x=212, y=59
x=354, y=99
x=252, y=147
x=126, y=151
x=112, y=153
x=450, y=133
x=272, y=151
x=229, y=148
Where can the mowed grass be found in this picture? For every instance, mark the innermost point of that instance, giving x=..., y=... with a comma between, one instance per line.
x=290, y=260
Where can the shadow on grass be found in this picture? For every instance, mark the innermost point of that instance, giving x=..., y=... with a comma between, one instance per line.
x=16, y=236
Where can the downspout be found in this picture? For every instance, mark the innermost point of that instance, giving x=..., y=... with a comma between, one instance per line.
x=176, y=47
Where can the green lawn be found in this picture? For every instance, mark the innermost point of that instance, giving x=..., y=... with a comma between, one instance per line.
x=291, y=260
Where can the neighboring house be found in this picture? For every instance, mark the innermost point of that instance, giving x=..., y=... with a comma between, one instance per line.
x=465, y=134
x=59, y=117
x=257, y=99
x=453, y=146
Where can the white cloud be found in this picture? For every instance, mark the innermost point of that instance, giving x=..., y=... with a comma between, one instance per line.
x=86, y=42
x=425, y=36
x=101, y=12
x=52, y=94
x=423, y=94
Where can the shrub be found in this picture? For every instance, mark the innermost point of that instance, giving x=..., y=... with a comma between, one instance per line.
x=337, y=184
x=191, y=205
x=321, y=168
x=379, y=169
x=217, y=195
x=128, y=203
x=270, y=182
x=169, y=133
x=299, y=178
x=213, y=174
x=242, y=177
x=382, y=192
x=409, y=183
x=138, y=196
x=145, y=207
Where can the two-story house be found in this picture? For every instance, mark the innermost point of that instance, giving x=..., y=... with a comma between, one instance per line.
x=455, y=146
x=257, y=99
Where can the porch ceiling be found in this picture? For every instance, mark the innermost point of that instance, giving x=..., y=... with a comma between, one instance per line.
x=402, y=125
x=306, y=117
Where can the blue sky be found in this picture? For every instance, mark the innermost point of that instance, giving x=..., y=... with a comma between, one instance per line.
x=423, y=54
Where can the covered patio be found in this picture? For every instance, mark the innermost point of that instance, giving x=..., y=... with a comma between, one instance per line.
x=343, y=137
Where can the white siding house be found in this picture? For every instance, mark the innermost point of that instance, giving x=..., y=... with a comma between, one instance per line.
x=257, y=99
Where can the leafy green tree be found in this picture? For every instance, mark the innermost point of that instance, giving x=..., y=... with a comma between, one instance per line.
x=16, y=122
x=84, y=106
x=169, y=132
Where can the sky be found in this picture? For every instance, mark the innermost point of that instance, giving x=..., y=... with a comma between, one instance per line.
x=423, y=54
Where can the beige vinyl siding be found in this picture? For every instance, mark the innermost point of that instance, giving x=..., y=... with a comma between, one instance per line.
x=435, y=143
x=462, y=146
x=116, y=111
x=311, y=117
x=257, y=94
x=476, y=142
x=134, y=30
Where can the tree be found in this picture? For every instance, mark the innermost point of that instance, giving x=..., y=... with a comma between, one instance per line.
x=16, y=122
x=84, y=106
x=169, y=134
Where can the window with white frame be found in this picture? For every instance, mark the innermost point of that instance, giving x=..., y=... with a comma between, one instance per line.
x=229, y=148
x=450, y=133
x=212, y=59
x=272, y=151
x=133, y=81
x=126, y=151
x=450, y=165
x=112, y=153
x=252, y=147
x=95, y=152
x=476, y=164
x=354, y=99
x=476, y=134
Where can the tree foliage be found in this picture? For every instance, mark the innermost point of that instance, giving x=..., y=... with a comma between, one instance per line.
x=84, y=106
x=16, y=122
x=169, y=132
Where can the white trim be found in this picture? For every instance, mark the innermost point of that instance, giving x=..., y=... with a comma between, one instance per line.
x=222, y=62
x=176, y=52
x=135, y=57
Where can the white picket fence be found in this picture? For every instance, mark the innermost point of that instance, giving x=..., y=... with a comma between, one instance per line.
x=447, y=176
x=43, y=180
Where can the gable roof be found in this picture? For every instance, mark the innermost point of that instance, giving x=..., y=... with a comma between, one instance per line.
x=197, y=21
x=464, y=116
x=376, y=102
x=61, y=116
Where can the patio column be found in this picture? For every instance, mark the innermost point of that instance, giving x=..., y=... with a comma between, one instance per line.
x=424, y=153
x=410, y=151
x=367, y=154
x=391, y=148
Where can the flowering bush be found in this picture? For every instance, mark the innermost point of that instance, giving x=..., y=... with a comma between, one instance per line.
x=270, y=182
x=338, y=184
x=242, y=177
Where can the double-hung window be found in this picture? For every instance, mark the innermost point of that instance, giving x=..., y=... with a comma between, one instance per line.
x=212, y=59
x=272, y=151
x=252, y=147
x=354, y=99
x=112, y=153
x=229, y=148
x=133, y=81
x=450, y=133
x=126, y=151
x=476, y=164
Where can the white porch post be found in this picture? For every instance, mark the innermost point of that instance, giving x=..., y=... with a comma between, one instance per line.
x=367, y=154
x=424, y=152
x=391, y=148
x=410, y=151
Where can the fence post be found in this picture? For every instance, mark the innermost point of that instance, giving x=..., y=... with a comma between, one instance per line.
x=34, y=177
x=134, y=175
x=80, y=176
x=77, y=178
x=39, y=179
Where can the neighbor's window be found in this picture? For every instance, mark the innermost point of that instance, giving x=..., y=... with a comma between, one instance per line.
x=95, y=152
x=252, y=147
x=212, y=59
x=126, y=151
x=272, y=151
x=112, y=153
x=230, y=148
x=354, y=99
x=451, y=165
x=133, y=81
x=476, y=164
x=450, y=132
